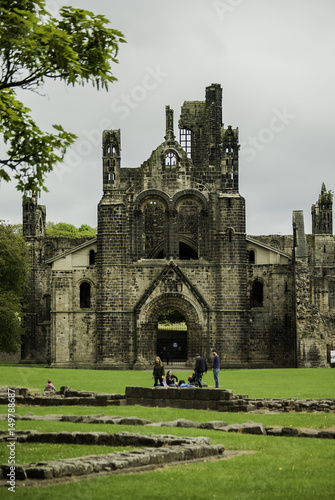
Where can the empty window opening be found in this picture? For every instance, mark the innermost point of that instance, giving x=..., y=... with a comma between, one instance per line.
x=286, y=320
x=111, y=176
x=160, y=254
x=154, y=233
x=251, y=257
x=257, y=294
x=170, y=159
x=188, y=230
x=47, y=302
x=92, y=257
x=85, y=295
x=186, y=252
x=186, y=140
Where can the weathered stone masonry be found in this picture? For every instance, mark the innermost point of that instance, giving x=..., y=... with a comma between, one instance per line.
x=172, y=235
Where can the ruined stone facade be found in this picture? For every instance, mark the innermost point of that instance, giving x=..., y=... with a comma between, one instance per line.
x=172, y=236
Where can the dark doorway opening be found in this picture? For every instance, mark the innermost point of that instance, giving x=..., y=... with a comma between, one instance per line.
x=172, y=337
x=257, y=294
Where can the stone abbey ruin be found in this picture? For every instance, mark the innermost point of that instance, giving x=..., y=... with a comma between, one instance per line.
x=172, y=236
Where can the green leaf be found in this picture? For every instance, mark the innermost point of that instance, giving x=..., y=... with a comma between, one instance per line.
x=77, y=47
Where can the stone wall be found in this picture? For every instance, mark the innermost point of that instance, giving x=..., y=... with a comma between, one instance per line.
x=37, y=341
x=173, y=397
x=156, y=451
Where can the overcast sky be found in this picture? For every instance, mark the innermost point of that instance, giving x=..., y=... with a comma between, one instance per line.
x=275, y=62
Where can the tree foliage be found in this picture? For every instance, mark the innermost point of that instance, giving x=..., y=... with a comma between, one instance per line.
x=171, y=316
x=77, y=47
x=64, y=230
x=13, y=268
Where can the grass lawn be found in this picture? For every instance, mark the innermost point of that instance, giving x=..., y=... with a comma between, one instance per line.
x=278, y=468
x=274, y=383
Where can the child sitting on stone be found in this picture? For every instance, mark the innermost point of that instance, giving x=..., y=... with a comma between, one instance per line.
x=50, y=387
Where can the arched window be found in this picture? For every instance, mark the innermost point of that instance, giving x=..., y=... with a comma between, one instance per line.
x=229, y=235
x=170, y=159
x=153, y=225
x=40, y=226
x=257, y=294
x=188, y=230
x=85, y=295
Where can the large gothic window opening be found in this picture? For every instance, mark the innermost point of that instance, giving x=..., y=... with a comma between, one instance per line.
x=185, y=140
x=188, y=230
x=153, y=224
x=172, y=337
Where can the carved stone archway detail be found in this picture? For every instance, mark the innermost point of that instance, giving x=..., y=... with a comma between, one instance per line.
x=147, y=324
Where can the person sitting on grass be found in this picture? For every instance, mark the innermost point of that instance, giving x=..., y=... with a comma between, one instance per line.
x=182, y=384
x=50, y=387
x=171, y=379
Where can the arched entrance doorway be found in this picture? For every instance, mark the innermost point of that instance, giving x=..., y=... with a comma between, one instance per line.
x=150, y=339
x=172, y=336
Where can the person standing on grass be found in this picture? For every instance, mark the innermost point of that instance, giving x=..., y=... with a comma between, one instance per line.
x=200, y=368
x=216, y=368
x=158, y=372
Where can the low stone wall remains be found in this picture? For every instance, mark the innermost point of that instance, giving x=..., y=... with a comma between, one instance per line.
x=64, y=397
x=249, y=427
x=157, y=451
x=221, y=400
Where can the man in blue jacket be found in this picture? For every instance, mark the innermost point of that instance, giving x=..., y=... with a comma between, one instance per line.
x=216, y=367
x=200, y=368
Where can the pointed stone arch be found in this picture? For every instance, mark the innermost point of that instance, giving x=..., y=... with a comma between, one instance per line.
x=147, y=326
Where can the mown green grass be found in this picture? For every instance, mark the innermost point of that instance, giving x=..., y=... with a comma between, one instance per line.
x=275, y=383
x=277, y=468
x=291, y=468
x=155, y=414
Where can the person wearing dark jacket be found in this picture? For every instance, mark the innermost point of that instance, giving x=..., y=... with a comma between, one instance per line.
x=200, y=368
x=158, y=372
x=216, y=367
x=171, y=380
